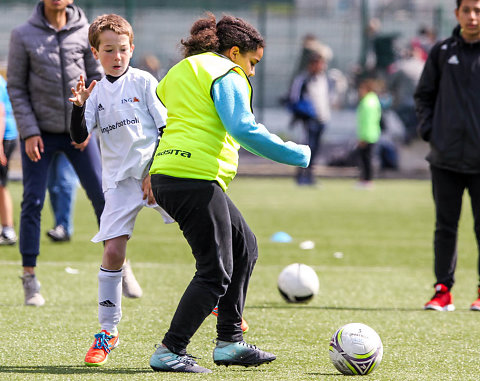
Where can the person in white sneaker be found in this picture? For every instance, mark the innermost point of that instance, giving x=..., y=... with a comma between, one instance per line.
x=128, y=117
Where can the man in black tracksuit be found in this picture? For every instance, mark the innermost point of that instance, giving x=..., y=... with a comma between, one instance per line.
x=447, y=102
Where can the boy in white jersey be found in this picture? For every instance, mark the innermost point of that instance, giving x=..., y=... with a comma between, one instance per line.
x=125, y=110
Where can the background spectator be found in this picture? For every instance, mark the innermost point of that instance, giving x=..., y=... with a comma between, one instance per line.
x=150, y=63
x=309, y=103
x=381, y=51
x=402, y=84
x=424, y=41
x=369, y=113
x=62, y=186
x=8, y=142
x=47, y=55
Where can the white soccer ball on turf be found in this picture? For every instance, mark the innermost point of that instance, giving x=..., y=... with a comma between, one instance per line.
x=356, y=349
x=298, y=283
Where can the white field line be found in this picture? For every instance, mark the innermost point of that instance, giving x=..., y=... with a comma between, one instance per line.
x=41, y=264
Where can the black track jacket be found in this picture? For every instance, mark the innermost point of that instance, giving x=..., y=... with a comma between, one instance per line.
x=447, y=101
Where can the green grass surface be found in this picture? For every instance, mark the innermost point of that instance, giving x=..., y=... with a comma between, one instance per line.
x=383, y=280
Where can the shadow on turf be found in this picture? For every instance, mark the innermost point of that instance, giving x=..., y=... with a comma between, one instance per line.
x=325, y=374
x=341, y=308
x=68, y=369
x=79, y=369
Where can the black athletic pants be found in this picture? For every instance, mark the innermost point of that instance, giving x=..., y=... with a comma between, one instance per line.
x=448, y=188
x=225, y=251
x=365, y=162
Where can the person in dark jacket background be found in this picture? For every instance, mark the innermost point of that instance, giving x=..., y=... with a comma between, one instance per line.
x=309, y=101
x=47, y=55
x=447, y=104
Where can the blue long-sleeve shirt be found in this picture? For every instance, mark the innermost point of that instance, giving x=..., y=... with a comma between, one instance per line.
x=232, y=102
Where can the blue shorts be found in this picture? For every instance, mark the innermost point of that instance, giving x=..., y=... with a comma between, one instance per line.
x=8, y=148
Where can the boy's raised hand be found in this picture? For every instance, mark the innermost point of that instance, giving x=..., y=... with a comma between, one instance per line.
x=81, y=93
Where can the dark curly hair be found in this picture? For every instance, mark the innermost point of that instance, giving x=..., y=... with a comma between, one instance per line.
x=206, y=35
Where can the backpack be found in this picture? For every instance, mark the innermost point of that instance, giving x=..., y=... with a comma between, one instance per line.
x=299, y=105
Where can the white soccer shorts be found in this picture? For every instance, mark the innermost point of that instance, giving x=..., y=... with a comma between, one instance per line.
x=122, y=205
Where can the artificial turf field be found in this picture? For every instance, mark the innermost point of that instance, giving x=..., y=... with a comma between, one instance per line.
x=383, y=279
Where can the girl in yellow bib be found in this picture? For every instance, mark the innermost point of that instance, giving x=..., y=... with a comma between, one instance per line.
x=209, y=116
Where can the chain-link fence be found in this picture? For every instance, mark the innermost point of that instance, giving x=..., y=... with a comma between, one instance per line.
x=160, y=24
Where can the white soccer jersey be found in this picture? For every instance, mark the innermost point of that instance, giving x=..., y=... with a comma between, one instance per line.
x=127, y=115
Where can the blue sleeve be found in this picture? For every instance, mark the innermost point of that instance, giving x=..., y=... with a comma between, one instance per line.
x=232, y=102
x=3, y=91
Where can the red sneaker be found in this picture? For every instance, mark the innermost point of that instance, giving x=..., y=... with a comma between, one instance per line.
x=245, y=326
x=442, y=300
x=476, y=304
x=97, y=355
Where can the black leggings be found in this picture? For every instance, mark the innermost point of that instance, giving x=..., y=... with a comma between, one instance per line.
x=225, y=251
x=365, y=162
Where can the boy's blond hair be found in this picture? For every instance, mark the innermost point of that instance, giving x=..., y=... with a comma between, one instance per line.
x=113, y=22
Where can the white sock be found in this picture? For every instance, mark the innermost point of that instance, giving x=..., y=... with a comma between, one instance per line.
x=109, y=299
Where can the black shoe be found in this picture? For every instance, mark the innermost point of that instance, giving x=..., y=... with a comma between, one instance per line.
x=58, y=234
x=240, y=353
